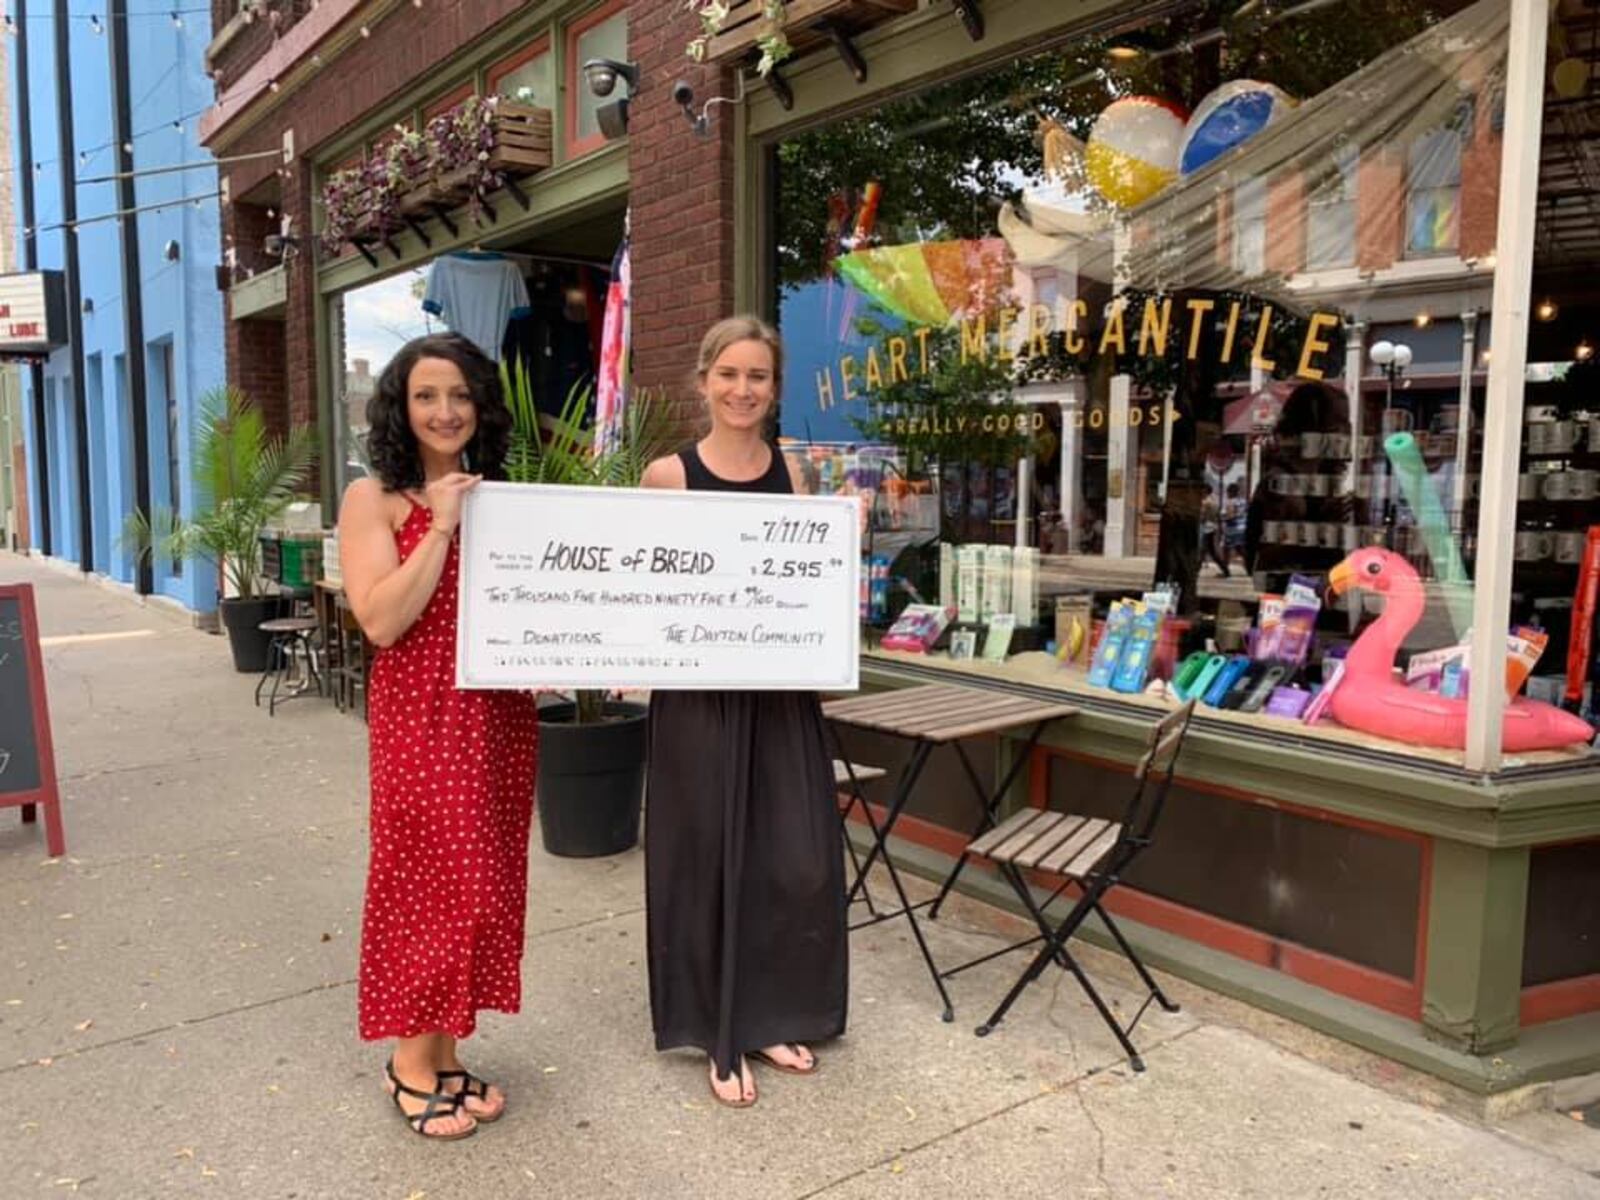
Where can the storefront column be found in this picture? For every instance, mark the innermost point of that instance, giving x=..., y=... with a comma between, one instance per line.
x=1508, y=355
x=1469, y=356
x=1122, y=466
x=1355, y=352
x=1472, y=990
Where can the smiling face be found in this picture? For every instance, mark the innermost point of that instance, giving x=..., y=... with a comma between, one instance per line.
x=439, y=408
x=741, y=385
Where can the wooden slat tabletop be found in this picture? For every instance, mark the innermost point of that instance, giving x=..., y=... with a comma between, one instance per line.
x=938, y=712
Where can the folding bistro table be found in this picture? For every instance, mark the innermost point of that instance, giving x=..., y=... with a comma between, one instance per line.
x=929, y=716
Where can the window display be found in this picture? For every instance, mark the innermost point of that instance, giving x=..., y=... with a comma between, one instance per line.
x=1174, y=332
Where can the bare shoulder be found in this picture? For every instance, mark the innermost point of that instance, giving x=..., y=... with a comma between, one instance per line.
x=367, y=502
x=666, y=473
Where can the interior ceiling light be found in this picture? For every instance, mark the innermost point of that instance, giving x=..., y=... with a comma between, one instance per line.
x=1547, y=310
x=1584, y=351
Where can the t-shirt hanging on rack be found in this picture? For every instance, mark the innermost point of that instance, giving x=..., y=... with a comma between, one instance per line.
x=477, y=293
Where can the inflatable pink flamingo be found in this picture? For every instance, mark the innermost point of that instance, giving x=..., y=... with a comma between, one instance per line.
x=1370, y=698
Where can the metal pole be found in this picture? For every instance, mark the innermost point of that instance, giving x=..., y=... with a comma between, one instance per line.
x=69, y=213
x=30, y=262
x=132, y=291
x=1508, y=353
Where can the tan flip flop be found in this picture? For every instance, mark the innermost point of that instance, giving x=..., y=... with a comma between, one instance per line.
x=720, y=1099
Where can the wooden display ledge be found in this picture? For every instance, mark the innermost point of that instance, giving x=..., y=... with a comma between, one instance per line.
x=1037, y=669
x=811, y=23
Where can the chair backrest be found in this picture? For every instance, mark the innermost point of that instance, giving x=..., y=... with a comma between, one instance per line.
x=1154, y=772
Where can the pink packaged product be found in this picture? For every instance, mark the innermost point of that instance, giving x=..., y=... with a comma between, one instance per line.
x=917, y=628
x=1319, y=702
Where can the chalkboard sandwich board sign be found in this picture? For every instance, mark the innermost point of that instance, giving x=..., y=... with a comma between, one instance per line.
x=27, y=759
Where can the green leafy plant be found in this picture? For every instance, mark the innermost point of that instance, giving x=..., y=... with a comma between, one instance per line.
x=561, y=450
x=245, y=478
x=773, y=43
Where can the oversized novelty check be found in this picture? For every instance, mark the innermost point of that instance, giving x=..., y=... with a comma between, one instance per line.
x=597, y=588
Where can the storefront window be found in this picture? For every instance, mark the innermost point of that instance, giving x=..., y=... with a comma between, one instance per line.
x=1075, y=330
x=527, y=77
x=601, y=34
x=370, y=324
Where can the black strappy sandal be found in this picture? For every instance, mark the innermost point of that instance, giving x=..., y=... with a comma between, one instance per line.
x=761, y=1056
x=439, y=1104
x=472, y=1088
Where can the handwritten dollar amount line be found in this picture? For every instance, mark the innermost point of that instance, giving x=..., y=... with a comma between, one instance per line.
x=794, y=568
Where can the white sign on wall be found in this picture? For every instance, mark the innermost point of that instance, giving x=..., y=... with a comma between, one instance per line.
x=32, y=312
x=603, y=588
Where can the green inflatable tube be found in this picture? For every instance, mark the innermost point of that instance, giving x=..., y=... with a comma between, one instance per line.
x=1434, y=525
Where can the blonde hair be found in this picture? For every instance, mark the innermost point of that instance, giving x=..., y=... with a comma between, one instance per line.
x=730, y=331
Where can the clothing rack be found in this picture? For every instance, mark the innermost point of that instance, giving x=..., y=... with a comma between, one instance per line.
x=527, y=259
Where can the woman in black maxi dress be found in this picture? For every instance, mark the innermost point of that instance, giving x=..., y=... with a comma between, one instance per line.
x=744, y=876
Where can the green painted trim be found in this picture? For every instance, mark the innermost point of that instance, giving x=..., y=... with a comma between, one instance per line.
x=556, y=197
x=1558, y=1050
x=327, y=430
x=1472, y=989
x=918, y=49
x=1493, y=812
x=262, y=295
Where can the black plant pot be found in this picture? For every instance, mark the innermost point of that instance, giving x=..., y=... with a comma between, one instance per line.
x=243, y=618
x=591, y=780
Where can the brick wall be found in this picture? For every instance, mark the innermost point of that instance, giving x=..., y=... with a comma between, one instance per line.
x=1380, y=208
x=681, y=188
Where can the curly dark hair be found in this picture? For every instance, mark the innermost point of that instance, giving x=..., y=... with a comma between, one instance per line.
x=392, y=447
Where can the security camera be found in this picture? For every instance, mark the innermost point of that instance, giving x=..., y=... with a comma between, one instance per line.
x=602, y=75
x=682, y=94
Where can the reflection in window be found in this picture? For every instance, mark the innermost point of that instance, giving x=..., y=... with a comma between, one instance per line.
x=1250, y=227
x=1331, y=214
x=1433, y=195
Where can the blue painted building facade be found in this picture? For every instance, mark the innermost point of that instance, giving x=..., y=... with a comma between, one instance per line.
x=179, y=247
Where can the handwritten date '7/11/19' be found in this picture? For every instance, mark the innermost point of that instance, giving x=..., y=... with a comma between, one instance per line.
x=788, y=531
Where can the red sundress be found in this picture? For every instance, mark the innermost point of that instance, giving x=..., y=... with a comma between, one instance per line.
x=452, y=797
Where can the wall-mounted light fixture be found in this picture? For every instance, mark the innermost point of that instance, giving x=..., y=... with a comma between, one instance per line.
x=88, y=305
x=602, y=74
x=683, y=97
x=171, y=251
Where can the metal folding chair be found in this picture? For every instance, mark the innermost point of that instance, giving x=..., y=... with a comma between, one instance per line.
x=1088, y=854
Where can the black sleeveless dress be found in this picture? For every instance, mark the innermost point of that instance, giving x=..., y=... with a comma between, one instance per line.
x=744, y=876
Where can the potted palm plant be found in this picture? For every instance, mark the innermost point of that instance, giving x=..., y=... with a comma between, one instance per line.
x=592, y=747
x=244, y=480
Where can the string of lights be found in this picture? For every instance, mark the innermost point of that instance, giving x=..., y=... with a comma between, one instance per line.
x=97, y=22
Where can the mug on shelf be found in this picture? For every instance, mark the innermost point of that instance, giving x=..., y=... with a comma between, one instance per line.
x=1554, y=485
x=1272, y=531
x=1318, y=485
x=1569, y=546
x=1594, y=435
x=1563, y=436
x=1328, y=535
x=1539, y=437
x=1349, y=537
x=1365, y=446
x=1534, y=545
x=1312, y=444
x=1528, y=486
x=1295, y=485
x=1583, y=483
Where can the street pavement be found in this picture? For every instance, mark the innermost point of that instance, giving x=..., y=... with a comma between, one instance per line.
x=177, y=1012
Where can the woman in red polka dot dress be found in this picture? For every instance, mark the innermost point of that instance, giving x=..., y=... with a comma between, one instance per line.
x=452, y=771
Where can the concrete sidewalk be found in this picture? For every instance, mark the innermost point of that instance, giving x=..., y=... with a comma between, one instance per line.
x=177, y=1012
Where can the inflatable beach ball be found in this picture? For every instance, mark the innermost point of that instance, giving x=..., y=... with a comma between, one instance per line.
x=1227, y=118
x=1133, y=149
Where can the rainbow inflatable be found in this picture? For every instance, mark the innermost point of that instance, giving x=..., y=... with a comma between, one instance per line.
x=931, y=283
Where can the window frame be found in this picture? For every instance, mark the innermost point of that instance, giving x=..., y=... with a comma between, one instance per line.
x=1459, y=137
x=496, y=71
x=576, y=147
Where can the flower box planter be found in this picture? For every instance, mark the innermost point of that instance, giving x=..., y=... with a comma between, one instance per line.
x=521, y=146
x=811, y=23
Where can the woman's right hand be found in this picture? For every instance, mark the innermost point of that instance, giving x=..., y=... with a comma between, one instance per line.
x=444, y=497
